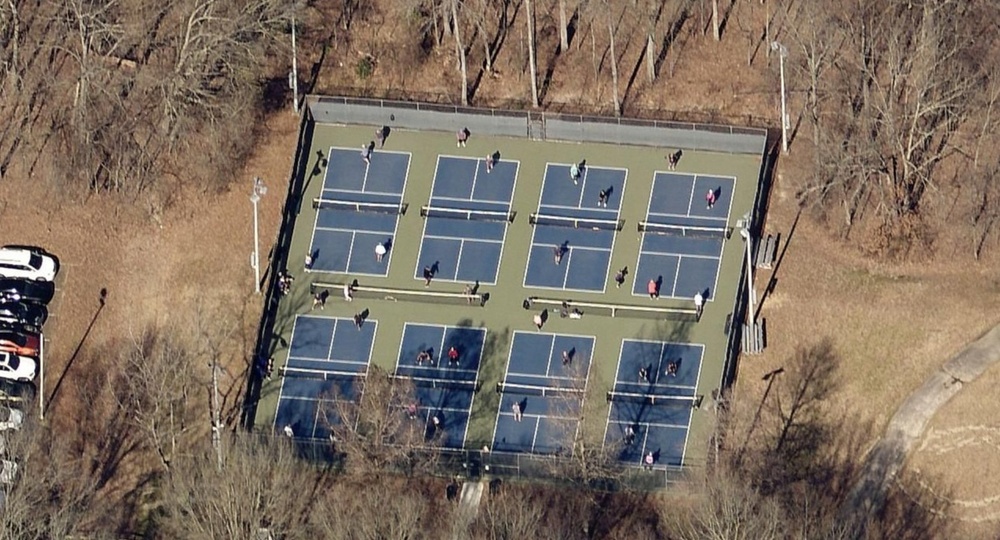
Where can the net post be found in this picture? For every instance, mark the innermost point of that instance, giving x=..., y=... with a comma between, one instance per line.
x=499, y=387
x=609, y=397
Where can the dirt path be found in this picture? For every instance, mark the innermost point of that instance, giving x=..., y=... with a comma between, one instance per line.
x=908, y=424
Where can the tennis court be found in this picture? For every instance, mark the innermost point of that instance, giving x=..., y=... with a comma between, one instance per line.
x=546, y=378
x=652, y=401
x=682, y=238
x=326, y=358
x=466, y=219
x=445, y=386
x=359, y=208
x=574, y=221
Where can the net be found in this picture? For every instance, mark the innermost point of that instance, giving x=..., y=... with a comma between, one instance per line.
x=371, y=207
x=409, y=295
x=685, y=230
x=321, y=374
x=458, y=213
x=439, y=384
x=689, y=314
x=650, y=399
x=577, y=223
x=543, y=391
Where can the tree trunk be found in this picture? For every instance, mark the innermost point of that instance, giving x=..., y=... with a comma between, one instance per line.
x=614, y=66
x=563, y=30
x=650, y=63
x=531, y=53
x=460, y=50
x=715, y=20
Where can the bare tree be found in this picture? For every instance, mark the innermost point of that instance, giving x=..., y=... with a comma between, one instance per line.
x=252, y=491
x=903, y=87
x=715, y=20
x=156, y=388
x=532, y=65
x=563, y=27
x=371, y=426
x=459, y=50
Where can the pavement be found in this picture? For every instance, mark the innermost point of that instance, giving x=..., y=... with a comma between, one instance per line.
x=907, y=426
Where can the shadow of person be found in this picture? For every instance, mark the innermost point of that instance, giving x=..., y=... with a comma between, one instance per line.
x=387, y=244
x=435, y=268
x=496, y=157
x=659, y=284
x=544, y=315
x=707, y=293
x=365, y=314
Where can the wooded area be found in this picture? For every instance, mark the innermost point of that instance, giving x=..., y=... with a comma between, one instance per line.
x=893, y=100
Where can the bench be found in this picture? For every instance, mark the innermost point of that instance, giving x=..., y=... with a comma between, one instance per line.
x=767, y=250
x=753, y=338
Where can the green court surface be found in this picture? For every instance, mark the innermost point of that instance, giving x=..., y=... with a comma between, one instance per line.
x=503, y=315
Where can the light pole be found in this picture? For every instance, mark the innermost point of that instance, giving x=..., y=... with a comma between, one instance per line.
x=745, y=233
x=293, y=77
x=782, y=53
x=259, y=189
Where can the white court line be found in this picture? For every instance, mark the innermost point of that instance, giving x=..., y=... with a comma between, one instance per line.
x=583, y=187
x=680, y=256
x=472, y=401
x=356, y=192
x=652, y=424
x=534, y=436
x=395, y=229
x=475, y=176
x=537, y=376
x=552, y=348
x=310, y=359
x=568, y=261
x=353, y=231
x=707, y=218
x=572, y=248
x=540, y=416
x=567, y=207
x=458, y=262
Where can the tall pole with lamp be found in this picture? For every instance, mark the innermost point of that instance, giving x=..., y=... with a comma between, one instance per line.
x=782, y=53
x=259, y=189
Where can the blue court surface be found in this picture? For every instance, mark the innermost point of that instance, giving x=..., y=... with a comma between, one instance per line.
x=575, y=223
x=344, y=239
x=465, y=224
x=548, y=387
x=659, y=427
x=445, y=387
x=683, y=258
x=326, y=358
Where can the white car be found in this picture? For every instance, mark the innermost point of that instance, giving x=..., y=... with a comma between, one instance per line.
x=10, y=418
x=18, y=368
x=27, y=263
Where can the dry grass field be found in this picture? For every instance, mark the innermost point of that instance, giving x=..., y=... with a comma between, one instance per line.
x=890, y=323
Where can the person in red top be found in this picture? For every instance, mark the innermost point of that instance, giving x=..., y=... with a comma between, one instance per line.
x=453, y=355
x=710, y=198
x=653, y=289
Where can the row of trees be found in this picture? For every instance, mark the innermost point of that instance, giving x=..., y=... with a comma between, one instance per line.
x=897, y=96
x=116, y=94
x=141, y=459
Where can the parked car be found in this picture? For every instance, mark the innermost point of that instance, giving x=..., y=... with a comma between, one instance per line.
x=10, y=418
x=27, y=263
x=17, y=368
x=20, y=343
x=26, y=290
x=26, y=314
